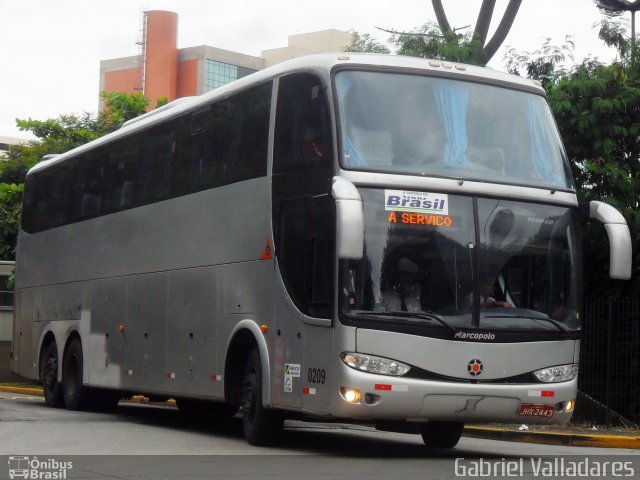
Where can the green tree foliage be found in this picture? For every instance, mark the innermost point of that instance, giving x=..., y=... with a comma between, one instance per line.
x=56, y=135
x=428, y=41
x=545, y=64
x=10, y=205
x=441, y=41
x=366, y=43
x=597, y=108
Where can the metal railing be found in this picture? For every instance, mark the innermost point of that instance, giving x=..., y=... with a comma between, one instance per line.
x=609, y=380
x=6, y=299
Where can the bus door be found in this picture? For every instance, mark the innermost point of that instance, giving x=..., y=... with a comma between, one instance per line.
x=303, y=225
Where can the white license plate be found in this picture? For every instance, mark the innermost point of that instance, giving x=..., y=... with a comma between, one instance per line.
x=537, y=410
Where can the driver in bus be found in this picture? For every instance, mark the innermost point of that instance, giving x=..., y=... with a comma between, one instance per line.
x=487, y=295
x=403, y=292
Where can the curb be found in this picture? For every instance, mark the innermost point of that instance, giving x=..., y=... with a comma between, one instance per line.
x=38, y=391
x=546, y=438
x=26, y=390
x=554, y=438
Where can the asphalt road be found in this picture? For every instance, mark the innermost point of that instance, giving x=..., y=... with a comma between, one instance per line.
x=155, y=442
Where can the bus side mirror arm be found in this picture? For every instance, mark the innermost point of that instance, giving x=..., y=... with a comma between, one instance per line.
x=349, y=220
x=620, y=252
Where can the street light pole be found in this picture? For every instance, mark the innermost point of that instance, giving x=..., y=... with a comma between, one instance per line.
x=614, y=8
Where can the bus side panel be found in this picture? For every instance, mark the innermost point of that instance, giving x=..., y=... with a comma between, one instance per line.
x=287, y=363
x=146, y=331
x=25, y=354
x=105, y=364
x=191, y=339
x=317, y=386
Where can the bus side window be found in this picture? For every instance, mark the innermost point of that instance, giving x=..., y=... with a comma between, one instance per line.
x=155, y=166
x=240, y=134
x=305, y=253
x=303, y=133
x=34, y=208
x=85, y=186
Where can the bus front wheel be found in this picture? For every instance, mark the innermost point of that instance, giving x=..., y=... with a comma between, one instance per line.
x=441, y=434
x=49, y=376
x=261, y=426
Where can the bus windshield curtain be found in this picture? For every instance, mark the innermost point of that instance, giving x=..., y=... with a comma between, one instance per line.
x=344, y=82
x=452, y=100
x=539, y=155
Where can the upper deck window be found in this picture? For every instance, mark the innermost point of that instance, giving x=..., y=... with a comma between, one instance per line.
x=412, y=124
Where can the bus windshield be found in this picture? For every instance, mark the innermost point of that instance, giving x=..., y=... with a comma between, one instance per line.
x=414, y=124
x=422, y=265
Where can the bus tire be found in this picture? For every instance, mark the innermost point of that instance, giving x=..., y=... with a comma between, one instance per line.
x=441, y=434
x=261, y=426
x=49, y=376
x=74, y=392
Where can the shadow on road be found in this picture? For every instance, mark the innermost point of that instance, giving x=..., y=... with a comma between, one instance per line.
x=300, y=437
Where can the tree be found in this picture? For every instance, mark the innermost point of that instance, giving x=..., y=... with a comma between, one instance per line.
x=120, y=107
x=483, y=50
x=366, y=43
x=598, y=111
x=544, y=64
x=597, y=108
x=10, y=205
x=441, y=41
x=429, y=42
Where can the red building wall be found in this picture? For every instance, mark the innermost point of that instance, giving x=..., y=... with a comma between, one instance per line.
x=161, y=66
x=187, y=78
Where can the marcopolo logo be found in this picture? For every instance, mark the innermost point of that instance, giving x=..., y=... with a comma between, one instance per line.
x=418, y=202
x=34, y=468
x=474, y=336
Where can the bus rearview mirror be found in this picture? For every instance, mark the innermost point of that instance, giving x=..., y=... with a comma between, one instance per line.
x=620, y=251
x=349, y=220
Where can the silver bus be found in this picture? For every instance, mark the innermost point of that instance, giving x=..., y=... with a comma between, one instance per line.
x=345, y=237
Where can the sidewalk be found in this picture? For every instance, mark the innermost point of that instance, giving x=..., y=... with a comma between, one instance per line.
x=586, y=438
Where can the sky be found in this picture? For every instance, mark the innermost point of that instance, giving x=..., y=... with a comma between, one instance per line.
x=50, y=50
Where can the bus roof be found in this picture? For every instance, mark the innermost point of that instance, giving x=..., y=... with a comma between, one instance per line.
x=317, y=62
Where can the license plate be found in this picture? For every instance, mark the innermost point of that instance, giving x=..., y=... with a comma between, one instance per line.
x=537, y=410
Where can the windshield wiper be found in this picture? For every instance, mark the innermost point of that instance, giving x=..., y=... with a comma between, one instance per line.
x=428, y=315
x=559, y=325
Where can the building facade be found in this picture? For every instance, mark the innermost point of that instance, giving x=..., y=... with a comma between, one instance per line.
x=163, y=70
x=5, y=142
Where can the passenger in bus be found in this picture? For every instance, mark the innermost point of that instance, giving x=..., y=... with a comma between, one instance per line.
x=402, y=293
x=312, y=146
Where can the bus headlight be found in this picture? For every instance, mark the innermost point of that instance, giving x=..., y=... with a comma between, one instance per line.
x=560, y=373
x=371, y=364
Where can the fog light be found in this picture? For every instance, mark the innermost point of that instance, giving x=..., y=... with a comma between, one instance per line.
x=570, y=406
x=351, y=395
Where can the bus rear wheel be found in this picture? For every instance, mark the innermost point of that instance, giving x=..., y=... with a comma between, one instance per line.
x=74, y=392
x=261, y=426
x=441, y=434
x=49, y=376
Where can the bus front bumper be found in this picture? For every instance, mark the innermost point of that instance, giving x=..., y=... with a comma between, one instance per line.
x=365, y=396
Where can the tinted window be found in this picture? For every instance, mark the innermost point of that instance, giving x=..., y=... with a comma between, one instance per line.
x=305, y=253
x=241, y=133
x=217, y=145
x=303, y=133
